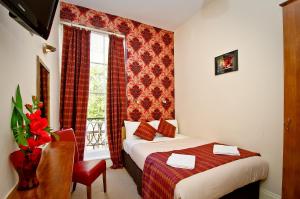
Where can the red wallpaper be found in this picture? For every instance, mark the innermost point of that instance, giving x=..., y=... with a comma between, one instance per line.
x=149, y=64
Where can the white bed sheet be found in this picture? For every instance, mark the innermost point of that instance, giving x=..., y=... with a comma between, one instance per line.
x=211, y=184
x=128, y=144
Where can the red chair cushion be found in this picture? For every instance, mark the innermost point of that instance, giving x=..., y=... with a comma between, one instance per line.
x=166, y=129
x=85, y=172
x=145, y=131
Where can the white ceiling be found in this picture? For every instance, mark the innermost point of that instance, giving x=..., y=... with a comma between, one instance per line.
x=166, y=14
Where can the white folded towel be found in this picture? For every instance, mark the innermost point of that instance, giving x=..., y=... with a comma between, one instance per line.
x=181, y=161
x=225, y=150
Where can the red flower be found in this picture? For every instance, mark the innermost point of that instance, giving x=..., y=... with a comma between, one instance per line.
x=32, y=143
x=41, y=104
x=37, y=126
x=24, y=148
x=43, y=138
x=28, y=106
x=34, y=116
x=37, y=123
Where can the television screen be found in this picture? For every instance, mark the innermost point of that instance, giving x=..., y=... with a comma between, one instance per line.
x=35, y=15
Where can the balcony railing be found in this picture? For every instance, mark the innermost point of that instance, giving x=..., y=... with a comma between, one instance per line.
x=96, y=134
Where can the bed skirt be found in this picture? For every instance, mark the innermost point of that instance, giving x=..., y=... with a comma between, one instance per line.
x=250, y=191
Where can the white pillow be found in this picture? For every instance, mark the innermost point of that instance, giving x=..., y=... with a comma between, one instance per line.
x=155, y=124
x=131, y=127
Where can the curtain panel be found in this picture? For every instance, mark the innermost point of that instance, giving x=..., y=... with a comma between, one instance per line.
x=116, y=99
x=75, y=76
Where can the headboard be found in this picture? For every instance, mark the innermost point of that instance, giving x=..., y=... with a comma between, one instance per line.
x=123, y=134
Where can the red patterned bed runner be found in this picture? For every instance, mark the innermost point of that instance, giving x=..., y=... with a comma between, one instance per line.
x=160, y=179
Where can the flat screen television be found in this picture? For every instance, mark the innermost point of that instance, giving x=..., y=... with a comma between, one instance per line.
x=35, y=15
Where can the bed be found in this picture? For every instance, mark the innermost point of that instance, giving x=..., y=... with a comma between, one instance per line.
x=238, y=179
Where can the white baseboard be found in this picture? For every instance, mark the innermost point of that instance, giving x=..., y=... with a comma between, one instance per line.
x=266, y=194
x=10, y=190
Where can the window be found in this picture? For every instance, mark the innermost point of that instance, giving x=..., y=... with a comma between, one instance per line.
x=98, y=75
x=96, y=139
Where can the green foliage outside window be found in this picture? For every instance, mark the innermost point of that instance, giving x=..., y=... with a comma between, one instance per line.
x=97, y=91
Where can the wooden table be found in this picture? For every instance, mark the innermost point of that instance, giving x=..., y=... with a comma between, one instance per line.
x=54, y=173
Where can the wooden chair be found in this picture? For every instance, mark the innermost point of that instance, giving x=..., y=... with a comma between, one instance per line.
x=84, y=172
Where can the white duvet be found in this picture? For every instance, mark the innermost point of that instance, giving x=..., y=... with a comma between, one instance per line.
x=211, y=184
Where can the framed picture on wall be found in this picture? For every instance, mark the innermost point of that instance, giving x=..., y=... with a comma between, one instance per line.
x=226, y=63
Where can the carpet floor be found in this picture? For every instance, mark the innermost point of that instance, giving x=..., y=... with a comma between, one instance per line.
x=119, y=186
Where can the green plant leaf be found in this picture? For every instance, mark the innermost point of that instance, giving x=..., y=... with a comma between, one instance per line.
x=20, y=111
x=18, y=119
x=56, y=136
x=15, y=133
x=27, y=132
x=18, y=128
x=19, y=102
x=14, y=118
x=28, y=108
x=48, y=129
x=20, y=136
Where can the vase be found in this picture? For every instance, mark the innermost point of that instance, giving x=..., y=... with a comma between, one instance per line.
x=26, y=166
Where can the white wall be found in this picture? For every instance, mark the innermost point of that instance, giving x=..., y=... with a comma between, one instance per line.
x=18, y=55
x=243, y=108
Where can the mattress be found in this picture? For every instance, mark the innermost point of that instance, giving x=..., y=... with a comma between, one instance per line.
x=213, y=183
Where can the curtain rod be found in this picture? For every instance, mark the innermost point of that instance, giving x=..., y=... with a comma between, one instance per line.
x=91, y=29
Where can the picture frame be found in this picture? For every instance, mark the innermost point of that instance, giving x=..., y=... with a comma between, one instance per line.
x=226, y=63
x=43, y=87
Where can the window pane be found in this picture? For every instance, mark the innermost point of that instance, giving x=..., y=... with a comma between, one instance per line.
x=97, y=90
x=98, y=78
x=99, y=48
x=98, y=75
x=106, y=43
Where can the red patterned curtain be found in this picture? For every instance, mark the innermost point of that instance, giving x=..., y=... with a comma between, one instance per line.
x=75, y=76
x=116, y=99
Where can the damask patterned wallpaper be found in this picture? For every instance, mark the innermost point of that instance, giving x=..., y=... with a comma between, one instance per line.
x=149, y=64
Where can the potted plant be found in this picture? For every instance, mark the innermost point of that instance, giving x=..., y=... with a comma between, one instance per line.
x=30, y=131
